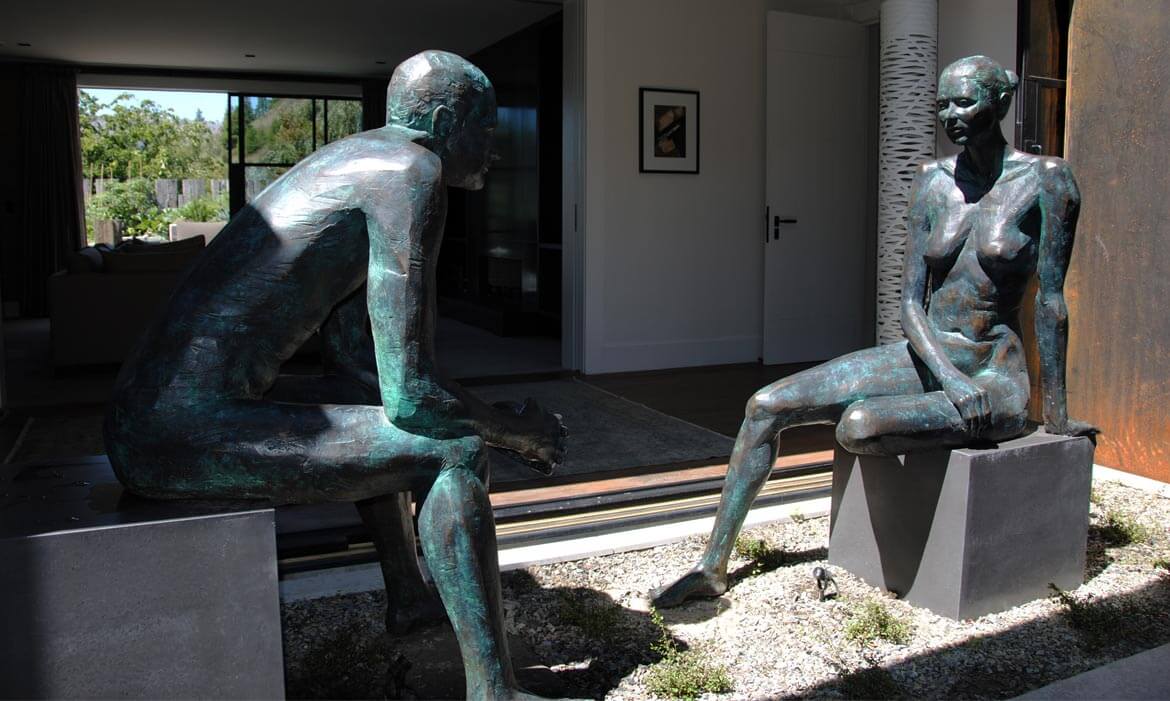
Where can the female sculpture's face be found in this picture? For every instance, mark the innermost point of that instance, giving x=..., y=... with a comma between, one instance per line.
x=966, y=110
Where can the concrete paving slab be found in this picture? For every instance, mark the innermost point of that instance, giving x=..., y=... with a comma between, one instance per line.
x=1142, y=676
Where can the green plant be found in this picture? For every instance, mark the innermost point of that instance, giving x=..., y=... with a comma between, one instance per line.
x=1118, y=529
x=1162, y=563
x=1096, y=620
x=752, y=548
x=1095, y=496
x=595, y=615
x=797, y=515
x=763, y=556
x=206, y=208
x=132, y=203
x=683, y=674
x=873, y=621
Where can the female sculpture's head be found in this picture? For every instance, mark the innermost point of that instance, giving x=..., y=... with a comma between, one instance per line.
x=974, y=94
x=446, y=96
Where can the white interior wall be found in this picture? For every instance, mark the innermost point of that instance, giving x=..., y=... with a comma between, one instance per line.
x=673, y=273
x=970, y=27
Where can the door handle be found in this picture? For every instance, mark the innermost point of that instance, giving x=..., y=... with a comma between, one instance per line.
x=776, y=222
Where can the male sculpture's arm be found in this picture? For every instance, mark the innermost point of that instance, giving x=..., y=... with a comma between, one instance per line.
x=1060, y=203
x=400, y=300
x=970, y=399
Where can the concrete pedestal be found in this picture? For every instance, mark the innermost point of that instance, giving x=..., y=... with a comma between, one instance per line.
x=965, y=532
x=104, y=595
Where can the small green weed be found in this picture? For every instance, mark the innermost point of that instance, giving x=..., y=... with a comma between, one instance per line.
x=753, y=548
x=1162, y=564
x=1095, y=496
x=597, y=618
x=874, y=621
x=1117, y=529
x=1098, y=621
x=764, y=557
x=683, y=674
x=797, y=516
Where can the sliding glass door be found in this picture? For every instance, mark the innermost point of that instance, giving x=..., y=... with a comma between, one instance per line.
x=268, y=134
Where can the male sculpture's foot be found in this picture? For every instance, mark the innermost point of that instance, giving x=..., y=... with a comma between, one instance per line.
x=698, y=583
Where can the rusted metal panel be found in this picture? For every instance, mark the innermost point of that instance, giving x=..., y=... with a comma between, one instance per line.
x=1119, y=285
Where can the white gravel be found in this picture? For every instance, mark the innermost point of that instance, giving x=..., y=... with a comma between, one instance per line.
x=588, y=620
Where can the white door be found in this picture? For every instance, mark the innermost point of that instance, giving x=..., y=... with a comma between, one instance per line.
x=814, y=269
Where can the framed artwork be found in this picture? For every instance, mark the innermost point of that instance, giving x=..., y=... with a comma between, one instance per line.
x=668, y=128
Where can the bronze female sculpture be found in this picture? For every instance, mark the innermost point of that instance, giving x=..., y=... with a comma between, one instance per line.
x=980, y=224
x=349, y=234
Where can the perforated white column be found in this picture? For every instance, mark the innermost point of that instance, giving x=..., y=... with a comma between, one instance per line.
x=909, y=56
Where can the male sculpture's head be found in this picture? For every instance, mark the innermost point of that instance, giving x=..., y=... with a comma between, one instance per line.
x=450, y=99
x=974, y=94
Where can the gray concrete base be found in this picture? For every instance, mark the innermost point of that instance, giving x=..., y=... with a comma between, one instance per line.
x=965, y=532
x=107, y=596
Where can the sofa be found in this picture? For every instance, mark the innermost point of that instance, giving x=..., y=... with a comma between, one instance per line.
x=105, y=298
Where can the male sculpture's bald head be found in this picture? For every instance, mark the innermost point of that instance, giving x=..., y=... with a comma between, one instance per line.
x=431, y=79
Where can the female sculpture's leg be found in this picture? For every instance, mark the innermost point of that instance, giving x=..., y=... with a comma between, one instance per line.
x=817, y=395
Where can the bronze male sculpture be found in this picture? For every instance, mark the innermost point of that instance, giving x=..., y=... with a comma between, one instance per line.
x=352, y=232
x=980, y=225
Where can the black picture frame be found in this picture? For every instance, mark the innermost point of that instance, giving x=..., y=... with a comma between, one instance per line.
x=668, y=131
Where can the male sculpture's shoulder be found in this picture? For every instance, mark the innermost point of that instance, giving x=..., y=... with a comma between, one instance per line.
x=380, y=152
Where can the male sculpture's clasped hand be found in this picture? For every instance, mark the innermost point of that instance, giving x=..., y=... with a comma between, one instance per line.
x=537, y=435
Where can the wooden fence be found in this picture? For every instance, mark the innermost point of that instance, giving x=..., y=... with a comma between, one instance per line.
x=169, y=192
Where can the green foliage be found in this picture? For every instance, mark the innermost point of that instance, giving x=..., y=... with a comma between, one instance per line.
x=873, y=621
x=1162, y=564
x=1097, y=621
x=132, y=203
x=121, y=140
x=594, y=614
x=683, y=674
x=764, y=557
x=206, y=208
x=1117, y=529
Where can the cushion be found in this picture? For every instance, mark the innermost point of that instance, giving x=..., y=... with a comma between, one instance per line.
x=87, y=260
x=119, y=262
x=195, y=243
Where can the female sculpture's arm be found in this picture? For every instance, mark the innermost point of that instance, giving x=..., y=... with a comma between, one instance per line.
x=969, y=398
x=1059, y=206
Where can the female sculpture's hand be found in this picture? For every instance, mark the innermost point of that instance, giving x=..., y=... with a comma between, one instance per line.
x=1072, y=427
x=969, y=398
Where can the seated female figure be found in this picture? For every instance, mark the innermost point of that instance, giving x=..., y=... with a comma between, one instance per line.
x=980, y=225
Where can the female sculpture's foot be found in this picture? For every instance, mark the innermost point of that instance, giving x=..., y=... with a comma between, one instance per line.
x=698, y=583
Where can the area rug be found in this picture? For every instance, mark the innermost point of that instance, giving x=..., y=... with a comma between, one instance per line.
x=606, y=432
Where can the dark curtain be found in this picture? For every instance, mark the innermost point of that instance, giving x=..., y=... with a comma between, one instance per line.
x=50, y=212
x=373, y=104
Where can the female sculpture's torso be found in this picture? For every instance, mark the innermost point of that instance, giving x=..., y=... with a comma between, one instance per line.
x=982, y=246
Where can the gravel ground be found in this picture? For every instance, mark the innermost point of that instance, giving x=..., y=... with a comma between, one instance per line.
x=589, y=622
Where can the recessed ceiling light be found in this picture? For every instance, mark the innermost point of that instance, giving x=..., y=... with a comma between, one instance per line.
x=23, y=43
x=380, y=63
x=249, y=55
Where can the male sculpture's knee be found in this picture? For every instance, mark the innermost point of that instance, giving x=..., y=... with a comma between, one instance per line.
x=457, y=499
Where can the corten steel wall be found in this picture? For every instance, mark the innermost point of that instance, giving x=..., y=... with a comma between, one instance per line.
x=1119, y=285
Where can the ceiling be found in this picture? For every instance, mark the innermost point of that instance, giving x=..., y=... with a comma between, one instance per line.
x=324, y=38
